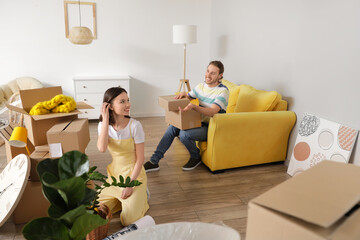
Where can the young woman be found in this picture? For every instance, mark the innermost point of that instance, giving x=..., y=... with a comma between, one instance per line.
x=124, y=137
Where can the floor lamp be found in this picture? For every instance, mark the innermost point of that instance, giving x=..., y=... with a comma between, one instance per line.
x=184, y=34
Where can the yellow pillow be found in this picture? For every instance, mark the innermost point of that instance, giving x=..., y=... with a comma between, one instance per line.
x=233, y=95
x=281, y=106
x=252, y=100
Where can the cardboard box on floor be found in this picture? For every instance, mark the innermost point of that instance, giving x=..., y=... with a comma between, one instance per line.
x=320, y=203
x=40, y=153
x=32, y=204
x=38, y=125
x=182, y=120
x=68, y=136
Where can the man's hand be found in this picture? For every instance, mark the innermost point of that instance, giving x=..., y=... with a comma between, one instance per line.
x=188, y=107
x=181, y=95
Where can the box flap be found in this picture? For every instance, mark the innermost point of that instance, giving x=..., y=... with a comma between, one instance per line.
x=321, y=195
x=350, y=229
x=16, y=109
x=169, y=103
x=31, y=97
x=54, y=115
x=42, y=148
x=82, y=105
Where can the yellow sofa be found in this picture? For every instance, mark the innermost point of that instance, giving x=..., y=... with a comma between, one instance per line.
x=254, y=130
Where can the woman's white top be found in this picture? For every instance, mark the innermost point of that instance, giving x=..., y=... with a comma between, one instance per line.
x=137, y=131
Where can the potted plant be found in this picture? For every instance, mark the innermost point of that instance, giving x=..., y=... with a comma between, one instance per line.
x=73, y=211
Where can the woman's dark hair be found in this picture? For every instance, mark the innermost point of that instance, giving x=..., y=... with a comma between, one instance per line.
x=109, y=96
x=219, y=65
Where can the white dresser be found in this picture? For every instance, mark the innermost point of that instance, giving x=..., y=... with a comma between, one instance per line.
x=91, y=91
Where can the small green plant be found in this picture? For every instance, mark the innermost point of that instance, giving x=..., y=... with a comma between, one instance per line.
x=72, y=212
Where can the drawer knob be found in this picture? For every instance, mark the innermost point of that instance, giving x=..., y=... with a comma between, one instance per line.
x=84, y=86
x=85, y=99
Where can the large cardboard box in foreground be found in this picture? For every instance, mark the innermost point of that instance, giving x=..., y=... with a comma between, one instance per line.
x=182, y=120
x=37, y=125
x=320, y=203
x=72, y=135
x=32, y=204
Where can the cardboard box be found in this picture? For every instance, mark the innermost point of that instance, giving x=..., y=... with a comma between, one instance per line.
x=11, y=151
x=40, y=153
x=182, y=120
x=320, y=203
x=169, y=103
x=38, y=125
x=68, y=136
x=32, y=204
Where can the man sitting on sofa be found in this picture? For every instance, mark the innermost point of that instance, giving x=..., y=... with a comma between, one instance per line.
x=213, y=98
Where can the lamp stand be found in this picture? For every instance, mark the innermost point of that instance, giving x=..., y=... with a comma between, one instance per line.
x=184, y=81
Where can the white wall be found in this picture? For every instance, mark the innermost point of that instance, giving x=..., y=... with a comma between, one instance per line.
x=309, y=51
x=134, y=38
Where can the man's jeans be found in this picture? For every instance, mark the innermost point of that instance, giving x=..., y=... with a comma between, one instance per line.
x=187, y=137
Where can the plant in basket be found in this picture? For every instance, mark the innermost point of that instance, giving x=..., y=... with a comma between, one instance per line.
x=74, y=211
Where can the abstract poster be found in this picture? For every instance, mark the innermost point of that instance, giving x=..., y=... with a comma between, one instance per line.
x=320, y=139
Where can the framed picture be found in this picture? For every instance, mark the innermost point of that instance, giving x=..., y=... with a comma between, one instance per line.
x=80, y=13
x=319, y=139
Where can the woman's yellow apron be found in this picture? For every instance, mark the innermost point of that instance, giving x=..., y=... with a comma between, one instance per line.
x=124, y=156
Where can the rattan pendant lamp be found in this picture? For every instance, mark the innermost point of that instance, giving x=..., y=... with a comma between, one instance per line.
x=80, y=35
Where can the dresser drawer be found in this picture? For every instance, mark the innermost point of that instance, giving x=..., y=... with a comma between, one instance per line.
x=99, y=86
x=90, y=98
x=90, y=113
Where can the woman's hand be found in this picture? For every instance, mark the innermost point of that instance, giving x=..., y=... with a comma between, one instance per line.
x=105, y=110
x=127, y=192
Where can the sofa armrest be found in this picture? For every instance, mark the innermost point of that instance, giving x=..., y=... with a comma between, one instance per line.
x=247, y=138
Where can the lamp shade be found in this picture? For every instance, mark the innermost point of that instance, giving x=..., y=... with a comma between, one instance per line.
x=184, y=34
x=80, y=35
x=18, y=137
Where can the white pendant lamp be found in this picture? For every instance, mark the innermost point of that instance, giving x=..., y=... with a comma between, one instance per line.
x=80, y=35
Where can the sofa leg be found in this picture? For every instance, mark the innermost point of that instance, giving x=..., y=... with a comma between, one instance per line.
x=217, y=171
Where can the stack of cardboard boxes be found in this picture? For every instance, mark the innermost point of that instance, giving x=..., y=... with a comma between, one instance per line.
x=182, y=120
x=49, y=136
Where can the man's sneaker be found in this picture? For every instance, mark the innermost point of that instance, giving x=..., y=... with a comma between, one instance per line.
x=191, y=164
x=150, y=167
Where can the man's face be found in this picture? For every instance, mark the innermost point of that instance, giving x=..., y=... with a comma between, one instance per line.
x=212, y=76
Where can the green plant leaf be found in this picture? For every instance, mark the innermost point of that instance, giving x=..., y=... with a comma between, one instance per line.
x=113, y=179
x=48, y=165
x=51, y=194
x=70, y=217
x=73, y=164
x=84, y=224
x=121, y=179
x=55, y=211
x=106, y=184
x=72, y=190
x=45, y=228
x=97, y=176
x=127, y=180
x=89, y=196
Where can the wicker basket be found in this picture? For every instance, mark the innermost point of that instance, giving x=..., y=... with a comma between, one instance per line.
x=102, y=231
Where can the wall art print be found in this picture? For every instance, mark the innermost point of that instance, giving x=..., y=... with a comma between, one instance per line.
x=319, y=139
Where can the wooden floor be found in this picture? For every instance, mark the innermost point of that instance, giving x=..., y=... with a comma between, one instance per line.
x=178, y=195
